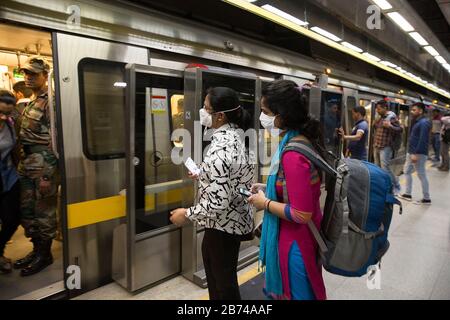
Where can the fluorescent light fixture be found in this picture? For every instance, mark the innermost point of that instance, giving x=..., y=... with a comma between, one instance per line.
x=326, y=34
x=419, y=39
x=383, y=4
x=389, y=64
x=283, y=14
x=251, y=0
x=446, y=66
x=401, y=69
x=431, y=51
x=120, y=84
x=371, y=57
x=440, y=59
x=352, y=47
x=400, y=21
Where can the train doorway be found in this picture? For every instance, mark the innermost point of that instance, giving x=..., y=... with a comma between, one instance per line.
x=17, y=44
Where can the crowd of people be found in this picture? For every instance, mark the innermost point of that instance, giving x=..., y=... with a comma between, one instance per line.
x=288, y=251
x=29, y=169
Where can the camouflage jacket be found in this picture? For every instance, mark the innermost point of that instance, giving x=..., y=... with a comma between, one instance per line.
x=35, y=130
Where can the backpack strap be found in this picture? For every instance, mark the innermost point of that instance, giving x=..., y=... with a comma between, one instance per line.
x=393, y=200
x=306, y=150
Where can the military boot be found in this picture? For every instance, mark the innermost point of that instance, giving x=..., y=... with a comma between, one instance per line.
x=25, y=261
x=42, y=259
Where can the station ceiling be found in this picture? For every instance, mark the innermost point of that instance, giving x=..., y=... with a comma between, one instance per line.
x=346, y=19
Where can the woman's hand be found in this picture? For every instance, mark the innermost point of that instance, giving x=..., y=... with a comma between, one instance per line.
x=258, y=186
x=258, y=200
x=193, y=176
x=178, y=216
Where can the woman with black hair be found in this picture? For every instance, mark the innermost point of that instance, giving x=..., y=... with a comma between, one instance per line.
x=288, y=250
x=9, y=179
x=225, y=214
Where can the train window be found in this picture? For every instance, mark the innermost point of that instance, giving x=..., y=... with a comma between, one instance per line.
x=330, y=117
x=351, y=104
x=102, y=103
x=177, y=115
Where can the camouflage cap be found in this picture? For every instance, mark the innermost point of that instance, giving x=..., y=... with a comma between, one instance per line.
x=36, y=64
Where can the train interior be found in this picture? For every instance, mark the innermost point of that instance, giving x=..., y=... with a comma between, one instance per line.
x=18, y=43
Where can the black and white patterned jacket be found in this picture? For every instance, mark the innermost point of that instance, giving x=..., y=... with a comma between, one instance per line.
x=225, y=168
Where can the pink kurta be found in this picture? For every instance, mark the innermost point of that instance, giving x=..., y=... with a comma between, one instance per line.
x=303, y=187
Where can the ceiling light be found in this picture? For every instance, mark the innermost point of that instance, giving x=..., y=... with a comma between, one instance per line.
x=371, y=57
x=401, y=69
x=440, y=59
x=389, y=64
x=383, y=4
x=419, y=39
x=120, y=84
x=446, y=66
x=431, y=51
x=400, y=21
x=325, y=33
x=283, y=14
x=350, y=46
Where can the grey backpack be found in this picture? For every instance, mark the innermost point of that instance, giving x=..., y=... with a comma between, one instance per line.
x=357, y=213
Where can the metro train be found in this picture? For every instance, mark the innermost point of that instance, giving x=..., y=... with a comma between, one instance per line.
x=123, y=80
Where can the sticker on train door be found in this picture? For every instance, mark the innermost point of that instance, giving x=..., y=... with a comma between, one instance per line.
x=157, y=100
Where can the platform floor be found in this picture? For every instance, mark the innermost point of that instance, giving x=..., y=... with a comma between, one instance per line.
x=416, y=267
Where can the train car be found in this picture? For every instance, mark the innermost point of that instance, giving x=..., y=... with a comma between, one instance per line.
x=124, y=78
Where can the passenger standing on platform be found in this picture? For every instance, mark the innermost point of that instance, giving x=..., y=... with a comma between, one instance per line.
x=384, y=131
x=38, y=171
x=357, y=145
x=225, y=214
x=416, y=157
x=288, y=249
x=9, y=179
x=436, y=133
x=445, y=143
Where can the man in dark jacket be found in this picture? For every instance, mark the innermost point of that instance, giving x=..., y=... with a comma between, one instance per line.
x=418, y=153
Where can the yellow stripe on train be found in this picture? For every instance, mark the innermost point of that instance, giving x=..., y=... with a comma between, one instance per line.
x=99, y=210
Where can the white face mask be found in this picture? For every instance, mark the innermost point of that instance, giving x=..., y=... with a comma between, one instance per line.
x=268, y=122
x=205, y=118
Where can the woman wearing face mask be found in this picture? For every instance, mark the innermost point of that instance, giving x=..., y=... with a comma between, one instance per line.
x=225, y=214
x=288, y=249
x=9, y=179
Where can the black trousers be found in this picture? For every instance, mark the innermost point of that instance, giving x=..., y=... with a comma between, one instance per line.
x=9, y=214
x=220, y=252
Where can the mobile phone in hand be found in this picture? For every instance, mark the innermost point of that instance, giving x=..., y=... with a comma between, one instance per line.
x=192, y=167
x=244, y=192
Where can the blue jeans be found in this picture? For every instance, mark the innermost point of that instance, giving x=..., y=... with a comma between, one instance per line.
x=419, y=166
x=383, y=159
x=436, y=141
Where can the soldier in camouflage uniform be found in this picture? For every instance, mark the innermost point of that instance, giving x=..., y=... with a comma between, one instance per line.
x=38, y=170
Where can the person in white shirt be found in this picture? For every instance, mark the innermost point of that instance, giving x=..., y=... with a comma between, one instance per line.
x=221, y=209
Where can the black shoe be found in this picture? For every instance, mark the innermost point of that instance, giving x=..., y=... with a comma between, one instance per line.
x=25, y=261
x=423, y=202
x=5, y=265
x=42, y=259
x=405, y=196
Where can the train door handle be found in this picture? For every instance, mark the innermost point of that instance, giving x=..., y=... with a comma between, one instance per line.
x=136, y=161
